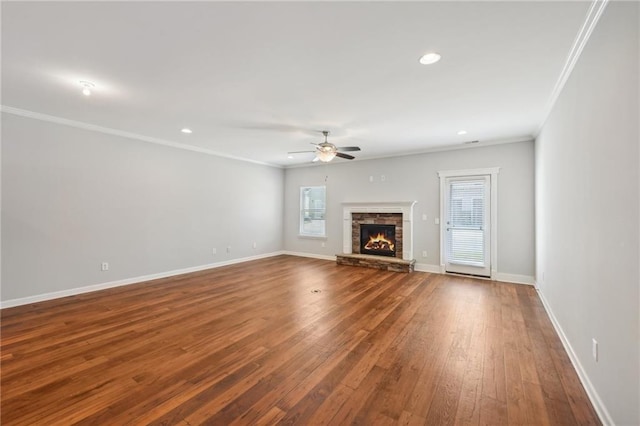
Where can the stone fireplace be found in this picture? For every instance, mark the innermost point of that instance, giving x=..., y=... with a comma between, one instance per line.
x=385, y=227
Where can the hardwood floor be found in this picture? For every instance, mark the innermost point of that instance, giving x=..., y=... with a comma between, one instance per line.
x=253, y=344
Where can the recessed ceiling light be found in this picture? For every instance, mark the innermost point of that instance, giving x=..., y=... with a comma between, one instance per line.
x=462, y=132
x=430, y=58
x=86, y=87
x=290, y=157
x=185, y=130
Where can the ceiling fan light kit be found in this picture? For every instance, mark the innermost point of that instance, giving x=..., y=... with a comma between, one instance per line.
x=326, y=151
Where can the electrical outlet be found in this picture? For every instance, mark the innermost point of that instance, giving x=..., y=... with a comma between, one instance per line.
x=424, y=216
x=214, y=251
x=424, y=253
x=323, y=244
x=105, y=266
x=383, y=178
x=228, y=249
x=436, y=221
x=370, y=178
x=255, y=245
x=594, y=349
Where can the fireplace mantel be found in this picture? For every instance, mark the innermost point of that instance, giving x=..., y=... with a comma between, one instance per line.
x=404, y=207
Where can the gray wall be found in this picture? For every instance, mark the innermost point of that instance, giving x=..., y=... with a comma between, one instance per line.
x=587, y=211
x=416, y=178
x=74, y=198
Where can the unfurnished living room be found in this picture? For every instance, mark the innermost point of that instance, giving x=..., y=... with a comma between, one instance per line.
x=374, y=213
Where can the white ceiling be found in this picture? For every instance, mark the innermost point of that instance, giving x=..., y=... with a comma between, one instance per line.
x=255, y=80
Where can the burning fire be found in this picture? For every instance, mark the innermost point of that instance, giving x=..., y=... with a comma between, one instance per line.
x=379, y=242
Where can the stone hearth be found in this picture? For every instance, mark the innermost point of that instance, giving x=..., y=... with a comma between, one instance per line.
x=376, y=262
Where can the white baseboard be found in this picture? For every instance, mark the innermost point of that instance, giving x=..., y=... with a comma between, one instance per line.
x=500, y=276
x=420, y=267
x=102, y=286
x=425, y=267
x=515, y=278
x=595, y=399
x=311, y=255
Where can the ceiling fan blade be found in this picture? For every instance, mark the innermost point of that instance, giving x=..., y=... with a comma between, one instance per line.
x=348, y=148
x=298, y=152
x=346, y=156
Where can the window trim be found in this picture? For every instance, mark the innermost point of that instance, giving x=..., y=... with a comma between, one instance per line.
x=301, y=211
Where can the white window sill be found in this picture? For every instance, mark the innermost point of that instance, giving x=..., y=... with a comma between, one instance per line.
x=313, y=237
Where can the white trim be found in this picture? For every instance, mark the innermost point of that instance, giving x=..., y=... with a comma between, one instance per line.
x=441, y=148
x=469, y=172
x=310, y=255
x=313, y=237
x=403, y=207
x=515, y=278
x=595, y=399
x=425, y=267
x=493, y=173
x=115, y=132
x=434, y=269
x=591, y=19
x=301, y=234
x=102, y=286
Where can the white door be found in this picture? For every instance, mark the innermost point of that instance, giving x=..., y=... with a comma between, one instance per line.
x=467, y=225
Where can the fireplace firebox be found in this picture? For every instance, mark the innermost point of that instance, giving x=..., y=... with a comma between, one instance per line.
x=378, y=240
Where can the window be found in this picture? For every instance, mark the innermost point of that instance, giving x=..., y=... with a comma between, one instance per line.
x=312, y=211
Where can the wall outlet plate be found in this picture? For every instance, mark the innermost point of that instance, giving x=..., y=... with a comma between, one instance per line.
x=104, y=266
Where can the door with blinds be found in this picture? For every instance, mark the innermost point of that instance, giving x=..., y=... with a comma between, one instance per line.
x=467, y=225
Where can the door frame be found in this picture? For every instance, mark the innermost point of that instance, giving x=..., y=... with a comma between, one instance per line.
x=492, y=172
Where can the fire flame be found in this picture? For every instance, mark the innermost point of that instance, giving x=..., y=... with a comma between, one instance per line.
x=379, y=242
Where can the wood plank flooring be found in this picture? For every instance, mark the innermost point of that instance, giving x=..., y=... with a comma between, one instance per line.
x=252, y=344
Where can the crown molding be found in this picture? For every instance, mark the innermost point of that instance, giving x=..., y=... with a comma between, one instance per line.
x=442, y=148
x=128, y=135
x=591, y=19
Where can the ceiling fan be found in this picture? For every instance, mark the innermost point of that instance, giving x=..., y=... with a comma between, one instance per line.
x=326, y=151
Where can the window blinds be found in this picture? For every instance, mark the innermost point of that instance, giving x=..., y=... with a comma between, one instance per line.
x=466, y=222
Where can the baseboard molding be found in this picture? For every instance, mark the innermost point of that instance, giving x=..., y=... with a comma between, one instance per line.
x=311, y=255
x=420, y=267
x=425, y=267
x=111, y=284
x=595, y=399
x=515, y=278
